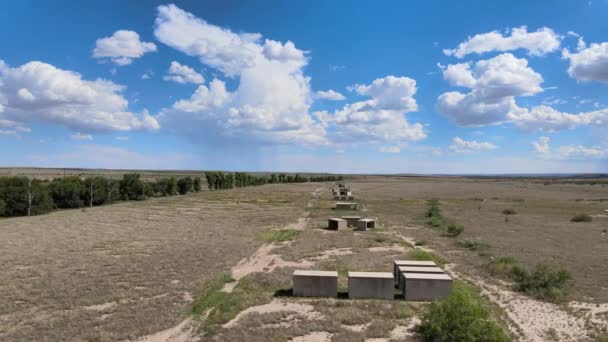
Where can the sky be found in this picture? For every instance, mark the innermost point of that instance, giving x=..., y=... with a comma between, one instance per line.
x=440, y=87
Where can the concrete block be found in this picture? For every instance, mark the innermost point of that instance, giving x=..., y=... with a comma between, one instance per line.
x=413, y=263
x=414, y=269
x=366, y=223
x=335, y=223
x=351, y=221
x=371, y=285
x=346, y=206
x=315, y=283
x=426, y=286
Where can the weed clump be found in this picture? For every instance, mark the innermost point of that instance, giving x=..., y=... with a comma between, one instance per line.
x=474, y=245
x=463, y=316
x=280, y=235
x=544, y=282
x=455, y=229
x=581, y=218
x=509, y=211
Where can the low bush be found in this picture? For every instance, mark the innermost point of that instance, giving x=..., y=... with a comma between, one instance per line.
x=463, y=316
x=509, y=211
x=455, y=230
x=474, y=245
x=582, y=218
x=279, y=235
x=545, y=282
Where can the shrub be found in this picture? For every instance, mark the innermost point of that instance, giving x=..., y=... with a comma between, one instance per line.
x=98, y=195
x=581, y=218
x=2, y=207
x=455, y=230
x=502, y=267
x=421, y=243
x=545, y=282
x=509, y=211
x=463, y=316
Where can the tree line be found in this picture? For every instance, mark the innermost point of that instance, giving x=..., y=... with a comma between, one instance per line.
x=25, y=196
x=217, y=180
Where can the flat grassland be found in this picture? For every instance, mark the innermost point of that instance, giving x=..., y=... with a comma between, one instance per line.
x=216, y=265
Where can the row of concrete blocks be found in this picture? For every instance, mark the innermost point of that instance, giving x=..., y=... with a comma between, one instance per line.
x=357, y=222
x=416, y=286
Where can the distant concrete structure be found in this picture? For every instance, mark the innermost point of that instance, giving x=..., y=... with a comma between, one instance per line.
x=315, y=283
x=366, y=223
x=412, y=263
x=414, y=269
x=371, y=285
x=346, y=206
x=426, y=286
x=335, y=223
x=351, y=221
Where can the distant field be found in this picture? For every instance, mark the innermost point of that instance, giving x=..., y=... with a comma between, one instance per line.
x=148, y=271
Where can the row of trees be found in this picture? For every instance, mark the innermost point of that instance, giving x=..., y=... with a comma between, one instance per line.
x=21, y=196
x=218, y=180
x=26, y=196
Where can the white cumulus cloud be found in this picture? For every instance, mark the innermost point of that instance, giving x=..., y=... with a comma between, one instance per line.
x=122, y=47
x=330, y=95
x=272, y=97
x=538, y=43
x=183, y=74
x=38, y=91
x=494, y=84
x=589, y=63
x=460, y=145
x=568, y=152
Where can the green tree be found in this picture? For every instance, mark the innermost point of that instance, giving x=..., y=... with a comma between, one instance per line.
x=23, y=196
x=131, y=187
x=197, y=184
x=172, y=187
x=67, y=192
x=184, y=185
x=95, y=190
x=112, y=190
x=2, y=207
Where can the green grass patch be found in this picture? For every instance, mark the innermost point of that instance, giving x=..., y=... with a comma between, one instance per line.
x=463, y=316
x=220, y=307
x=280, y=235
x=421, y=255
x=502, y=267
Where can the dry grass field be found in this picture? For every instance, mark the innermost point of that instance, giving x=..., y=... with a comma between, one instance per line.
x=216, y=266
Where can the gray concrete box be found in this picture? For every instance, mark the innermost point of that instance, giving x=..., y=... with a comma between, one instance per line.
x=315, y=283
x=414, y=269
x=412, y=263
x=346, y=206
x=335, y=223
x=426, y=286
x=366, y=223
x=351, y=221
x=371, y=285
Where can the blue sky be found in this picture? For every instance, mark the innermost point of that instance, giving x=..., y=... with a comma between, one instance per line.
x=340, y=86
